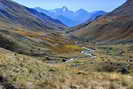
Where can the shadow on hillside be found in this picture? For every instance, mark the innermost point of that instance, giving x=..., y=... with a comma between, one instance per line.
x=5, y=84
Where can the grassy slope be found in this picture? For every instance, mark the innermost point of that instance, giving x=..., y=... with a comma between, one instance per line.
x=25, y=33
x=115, y=27
x=26, y=72
x=38, y=44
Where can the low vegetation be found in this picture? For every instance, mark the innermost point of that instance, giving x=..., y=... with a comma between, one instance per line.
x=68, y=48
x=105, y=72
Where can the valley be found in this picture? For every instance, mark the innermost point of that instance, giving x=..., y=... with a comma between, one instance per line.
x=41, y=52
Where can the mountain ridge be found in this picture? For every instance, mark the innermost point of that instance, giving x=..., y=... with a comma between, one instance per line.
x=9, y=13
x=114, y=27
x=75, y=17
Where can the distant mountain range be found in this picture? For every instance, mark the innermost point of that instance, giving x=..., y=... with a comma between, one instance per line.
x=71, y=18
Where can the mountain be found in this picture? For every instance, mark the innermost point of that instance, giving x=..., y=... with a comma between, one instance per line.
x=48, y=21
x=71, y=18
x=97, y=14
x=115, y=27
x=26, y=31
x=66, y=21
x=18, y=14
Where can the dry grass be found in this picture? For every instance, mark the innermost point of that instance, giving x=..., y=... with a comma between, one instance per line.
x=29, y=73
x=58, y=43
x=67, y=48
x=30, y=34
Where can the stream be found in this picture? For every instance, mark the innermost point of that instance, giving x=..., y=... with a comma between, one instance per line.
x=87, y=52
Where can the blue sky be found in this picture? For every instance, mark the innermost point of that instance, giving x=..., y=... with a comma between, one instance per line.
x=90, y=5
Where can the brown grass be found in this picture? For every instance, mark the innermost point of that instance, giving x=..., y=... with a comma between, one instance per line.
x=29, y=73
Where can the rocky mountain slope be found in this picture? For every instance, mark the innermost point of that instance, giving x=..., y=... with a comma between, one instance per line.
x=115, y=27
x=69, y=17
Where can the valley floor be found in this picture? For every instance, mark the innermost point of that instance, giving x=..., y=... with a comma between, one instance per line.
x=112, y=68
